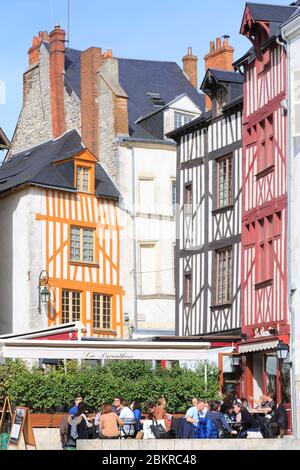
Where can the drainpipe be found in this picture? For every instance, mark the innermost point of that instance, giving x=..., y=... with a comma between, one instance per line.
x=285, y=44
x=133, y=219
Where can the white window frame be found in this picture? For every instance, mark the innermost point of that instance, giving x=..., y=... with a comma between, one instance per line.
x=102, y=300
x=184, y=117
x=82, y=241
x=70, y=313
x=80, y=169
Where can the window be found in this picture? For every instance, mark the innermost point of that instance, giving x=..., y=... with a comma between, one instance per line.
x=70, y=306
x=188, y=199
x=181, y=119
x=224, y=276
x=82, y=178
x=147, y=195
x=187, y=290
x=267, y=229
x=224, y=182
x=265, y=158
x=102, y=315
x=147, y=269
x=173, y=190
x=82, y=244
x=296, y=103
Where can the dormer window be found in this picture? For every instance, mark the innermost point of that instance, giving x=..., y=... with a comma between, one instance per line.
x=82, y=178
x=180, y=119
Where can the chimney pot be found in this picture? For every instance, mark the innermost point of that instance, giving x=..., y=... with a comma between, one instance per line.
x=190, y=67
x=219, y=57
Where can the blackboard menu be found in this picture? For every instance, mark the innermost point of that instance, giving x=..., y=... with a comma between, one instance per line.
x=18, y=423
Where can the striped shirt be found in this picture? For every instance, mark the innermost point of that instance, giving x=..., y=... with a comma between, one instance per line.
x=219, y=420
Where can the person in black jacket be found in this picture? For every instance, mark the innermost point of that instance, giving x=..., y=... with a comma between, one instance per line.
x=279, y=416
x=77, y=425
x=243, y=416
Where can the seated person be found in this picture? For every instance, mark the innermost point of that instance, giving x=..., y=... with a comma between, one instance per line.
x=109, y=423
x=158, y=413
x=127, y=415
x=218, y=419
x=195, y=412
x=246, y=419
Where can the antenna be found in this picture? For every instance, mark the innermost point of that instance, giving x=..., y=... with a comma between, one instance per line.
x=69, y=4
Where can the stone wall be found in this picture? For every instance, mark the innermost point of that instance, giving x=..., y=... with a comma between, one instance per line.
x=108, y=142
x=72, y=111
x=191, y=444
x=49, y=439
x=34, y=125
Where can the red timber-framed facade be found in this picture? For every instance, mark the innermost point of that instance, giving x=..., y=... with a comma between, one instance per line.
x=264, y=302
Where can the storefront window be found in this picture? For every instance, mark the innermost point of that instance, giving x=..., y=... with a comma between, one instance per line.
x=271, y=374
x=229, y=376
x=285, y=379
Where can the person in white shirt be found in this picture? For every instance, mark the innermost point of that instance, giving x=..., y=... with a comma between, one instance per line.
x=127, y=415
x=195, y=412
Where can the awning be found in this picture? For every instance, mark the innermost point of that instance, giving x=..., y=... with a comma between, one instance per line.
x=97, y=350
x=256, y=347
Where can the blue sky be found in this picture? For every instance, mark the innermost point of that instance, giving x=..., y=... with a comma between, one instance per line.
x=144, y=29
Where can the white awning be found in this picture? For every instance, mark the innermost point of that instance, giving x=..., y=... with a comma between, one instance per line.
x=256, y=347
x=120, y=350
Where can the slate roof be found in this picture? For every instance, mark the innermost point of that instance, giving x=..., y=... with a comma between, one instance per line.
x=36, y=166
x=227, y=76
x=275, y=14
x=137, y=78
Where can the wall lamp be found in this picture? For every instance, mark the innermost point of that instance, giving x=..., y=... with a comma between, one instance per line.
x=44, y=291
x=282, y=351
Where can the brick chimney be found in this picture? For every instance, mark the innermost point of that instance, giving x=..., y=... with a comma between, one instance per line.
x=219, y=57
x=90, y=60
x=190, y=64
x=57, y=68
x=34, y=51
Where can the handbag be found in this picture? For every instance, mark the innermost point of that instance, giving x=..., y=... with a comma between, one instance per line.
x=158, y=430
x=70, y=443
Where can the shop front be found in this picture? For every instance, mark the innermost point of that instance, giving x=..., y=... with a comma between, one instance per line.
x=265, y=372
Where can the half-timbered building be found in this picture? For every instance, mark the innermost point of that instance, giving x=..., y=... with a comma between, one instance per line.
x=60, y=212
x=209, y=172
x=265, y=318
x=122, y=109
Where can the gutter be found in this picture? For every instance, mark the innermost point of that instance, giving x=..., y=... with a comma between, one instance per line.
x=127, y=140
x=132, y=214
x=286, y=45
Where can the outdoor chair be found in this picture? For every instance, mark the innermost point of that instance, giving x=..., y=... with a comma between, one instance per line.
x=128, y=429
